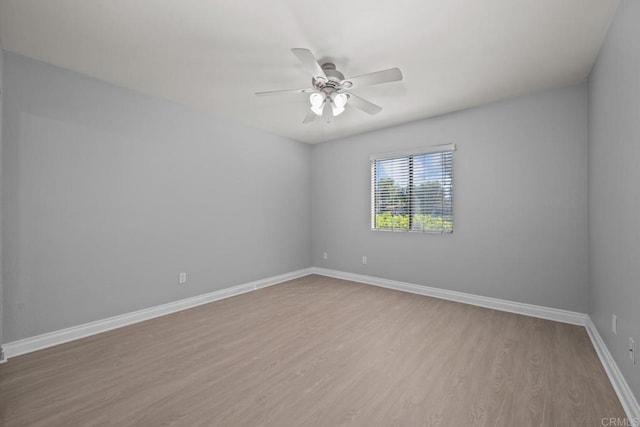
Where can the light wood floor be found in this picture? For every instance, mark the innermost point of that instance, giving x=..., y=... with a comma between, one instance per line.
x=317, y=351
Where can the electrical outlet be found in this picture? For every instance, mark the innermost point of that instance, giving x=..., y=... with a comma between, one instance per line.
x=324, y=255
x=632, y=350
x=182, y=278
x=364, y=259
x=614, y=324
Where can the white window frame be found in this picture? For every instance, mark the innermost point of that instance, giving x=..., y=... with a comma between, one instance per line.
x=398, y=155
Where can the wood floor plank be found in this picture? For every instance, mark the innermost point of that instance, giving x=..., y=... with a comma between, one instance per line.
x=317, y=351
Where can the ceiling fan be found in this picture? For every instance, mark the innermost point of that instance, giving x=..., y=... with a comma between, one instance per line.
x=328, y=92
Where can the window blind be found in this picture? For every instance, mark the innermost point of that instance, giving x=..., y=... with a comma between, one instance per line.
x=413, y=191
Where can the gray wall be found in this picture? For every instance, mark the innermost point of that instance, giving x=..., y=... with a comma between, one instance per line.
x=109, y=194
x=614, y=190
x=520, y=203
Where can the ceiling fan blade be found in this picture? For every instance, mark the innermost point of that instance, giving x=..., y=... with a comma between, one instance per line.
x=326, y=111
x=310, y=62
x=384, y=76
x=363, y=104
x=311, y=116
x=279, y=92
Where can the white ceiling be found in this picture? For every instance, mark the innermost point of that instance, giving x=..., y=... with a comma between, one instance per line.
x=214, y=54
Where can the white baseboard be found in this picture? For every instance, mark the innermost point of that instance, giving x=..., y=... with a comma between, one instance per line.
x=39, y=342
x=556, y=314
x=626, y=396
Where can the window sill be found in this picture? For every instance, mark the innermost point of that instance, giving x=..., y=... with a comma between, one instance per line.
x=400, y=230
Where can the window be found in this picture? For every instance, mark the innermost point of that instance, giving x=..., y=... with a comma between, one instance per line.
x=413, y=191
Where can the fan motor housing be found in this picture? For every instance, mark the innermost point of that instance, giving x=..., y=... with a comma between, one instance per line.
x=334, y=80
x=331, y=72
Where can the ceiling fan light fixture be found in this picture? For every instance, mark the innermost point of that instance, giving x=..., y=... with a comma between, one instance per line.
x=337, y=110
x=317, y=102
x=317, y=109
x=338, y=101
x=316, y=99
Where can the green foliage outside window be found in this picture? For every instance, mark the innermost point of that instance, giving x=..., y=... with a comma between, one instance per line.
x=420, y=222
